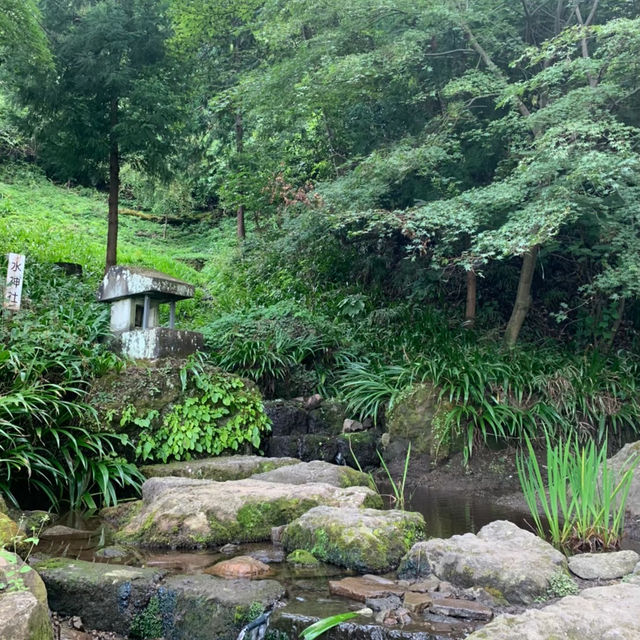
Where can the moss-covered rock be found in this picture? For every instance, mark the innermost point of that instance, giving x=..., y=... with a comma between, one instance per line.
x=318, y=471
x=172, y=410
x=190, y=513
x=502, y=557
x=8, y=530
x=220, y=469
x=419, y=416
x=144, y=603
x=302, y=557
x=367, y=540
x=106, y=597
x=3, y=505
x=24, y=612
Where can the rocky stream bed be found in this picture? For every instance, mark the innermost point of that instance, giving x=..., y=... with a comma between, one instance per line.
x=198, y=558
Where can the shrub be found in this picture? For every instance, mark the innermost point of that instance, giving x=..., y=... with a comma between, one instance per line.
x=274, y=343
x=220, y=414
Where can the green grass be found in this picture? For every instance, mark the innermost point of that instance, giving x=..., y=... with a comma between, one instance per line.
x=53, y=224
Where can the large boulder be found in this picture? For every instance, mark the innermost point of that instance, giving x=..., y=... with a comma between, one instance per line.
x=628, y=456
x=595, y=614
x=512, y=564
x=106, y=597
x=24, y=613
x=142, y=603
x=204, y=607
x=418, y=417
x=214, y=410
x=177, y=512
x=220, y=469
x=317, y=471
x=367, y=540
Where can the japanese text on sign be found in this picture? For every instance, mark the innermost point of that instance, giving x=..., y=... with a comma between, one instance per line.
x=13, y=288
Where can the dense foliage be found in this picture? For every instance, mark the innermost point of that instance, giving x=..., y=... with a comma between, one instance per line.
x=47, y=354
x=433, y=190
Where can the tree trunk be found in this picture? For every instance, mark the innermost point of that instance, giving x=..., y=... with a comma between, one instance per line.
x=470, y=310
x=114, y=189
x=242, y=234
x=523, y=297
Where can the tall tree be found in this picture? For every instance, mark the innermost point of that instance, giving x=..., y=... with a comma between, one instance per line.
x=113, y=93
x=21, y=33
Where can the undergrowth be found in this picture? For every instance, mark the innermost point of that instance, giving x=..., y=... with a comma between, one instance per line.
x=49, y=351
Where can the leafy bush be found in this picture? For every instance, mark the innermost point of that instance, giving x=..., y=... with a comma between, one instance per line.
x=581, y=500
x=271, y=344
x=48, y=352
x=221, y=415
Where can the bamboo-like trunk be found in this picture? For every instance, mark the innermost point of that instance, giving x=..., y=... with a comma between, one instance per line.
x=470, y=309
x=114, y=189
x=523, y=297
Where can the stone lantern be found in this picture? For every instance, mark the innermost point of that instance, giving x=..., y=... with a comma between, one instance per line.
x=135, y=295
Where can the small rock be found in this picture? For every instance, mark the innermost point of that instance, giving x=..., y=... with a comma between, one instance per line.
x=461, y=609
x=430, y=583
x=390, y=603
x=313, y=402
x=239, y=567
x=361, y=589
x=603, y=566
x=60, y=531
x=276, y=534
x=114, y=552
x=303, y=558
x=417, y=602
x=397, y=617
x=351, y=426
x=268, y=556
x=446, y=590
x=76, y=623
x=228, y=549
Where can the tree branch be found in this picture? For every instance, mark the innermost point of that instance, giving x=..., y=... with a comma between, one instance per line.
x=593, y=80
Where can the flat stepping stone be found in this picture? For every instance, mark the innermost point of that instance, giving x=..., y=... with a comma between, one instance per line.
x=185, y=513
x=317, y=471
x=603, y=566
x=510, y=562
x=363, y=589
x=595, y=614
x=456, y=608
x=367, y=540
x=220, y=469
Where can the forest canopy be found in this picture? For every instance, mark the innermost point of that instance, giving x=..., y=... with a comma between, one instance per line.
x=412, y=184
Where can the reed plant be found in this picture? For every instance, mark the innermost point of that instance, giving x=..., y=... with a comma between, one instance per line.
x=580, y=506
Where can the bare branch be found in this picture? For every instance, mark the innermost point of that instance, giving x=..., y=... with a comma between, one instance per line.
x=446, y=53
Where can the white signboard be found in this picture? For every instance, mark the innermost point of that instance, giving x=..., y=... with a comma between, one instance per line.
x=13, y=289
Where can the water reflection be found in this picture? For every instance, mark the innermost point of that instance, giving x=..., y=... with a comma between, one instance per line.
x=449, y=513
